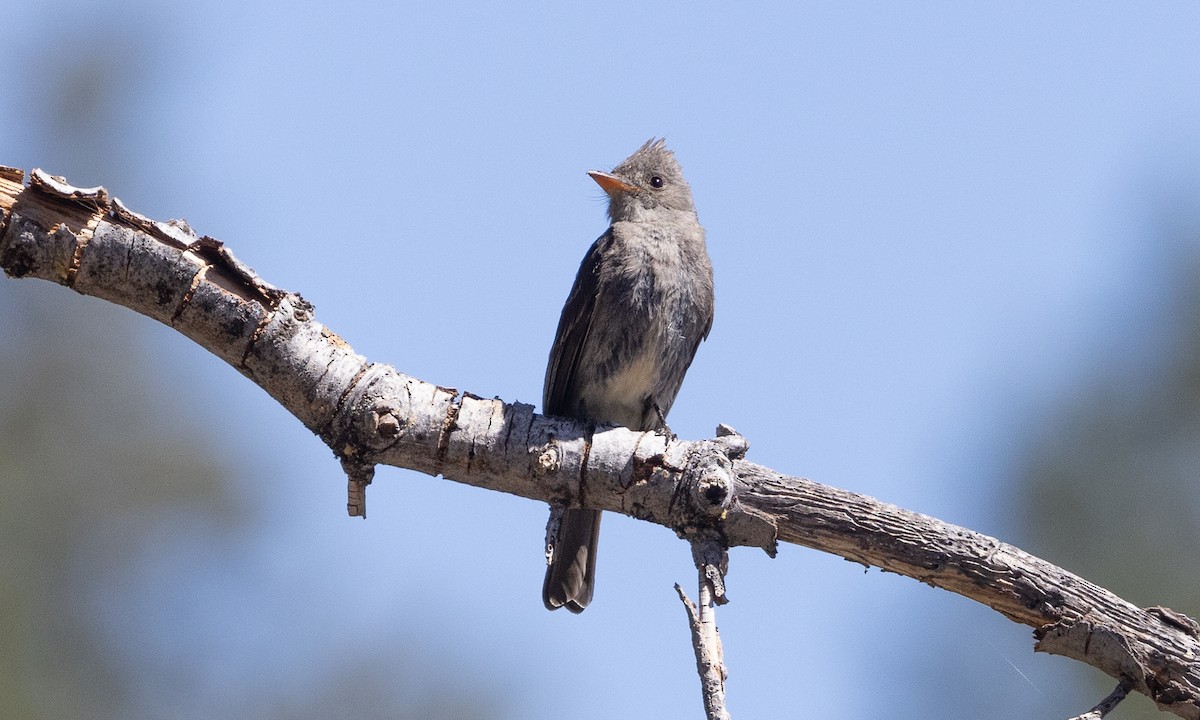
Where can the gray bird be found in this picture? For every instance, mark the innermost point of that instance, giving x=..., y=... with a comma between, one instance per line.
x=641, y=304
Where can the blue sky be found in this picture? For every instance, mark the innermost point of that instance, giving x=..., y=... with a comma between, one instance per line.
x=925, y=220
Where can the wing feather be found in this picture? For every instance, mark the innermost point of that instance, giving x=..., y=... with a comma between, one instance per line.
x=560, y=394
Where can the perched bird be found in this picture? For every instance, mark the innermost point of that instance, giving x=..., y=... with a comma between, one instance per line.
x=641, y=304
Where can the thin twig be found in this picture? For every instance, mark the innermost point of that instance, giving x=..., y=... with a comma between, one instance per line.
x=707, y=644
x=1107, y=704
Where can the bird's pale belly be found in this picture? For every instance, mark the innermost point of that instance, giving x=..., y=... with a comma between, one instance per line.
x=621, y=398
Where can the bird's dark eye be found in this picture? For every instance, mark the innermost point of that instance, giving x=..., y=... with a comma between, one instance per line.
x=656, y=182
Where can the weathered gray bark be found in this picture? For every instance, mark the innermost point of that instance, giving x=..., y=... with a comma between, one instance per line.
x=369, y=413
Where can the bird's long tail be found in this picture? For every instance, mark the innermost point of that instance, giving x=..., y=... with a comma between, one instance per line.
x=572, y=570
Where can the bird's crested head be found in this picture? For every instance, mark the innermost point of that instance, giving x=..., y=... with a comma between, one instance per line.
x=648, y=181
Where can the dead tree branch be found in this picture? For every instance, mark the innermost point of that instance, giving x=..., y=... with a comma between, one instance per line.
x=369, y=413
